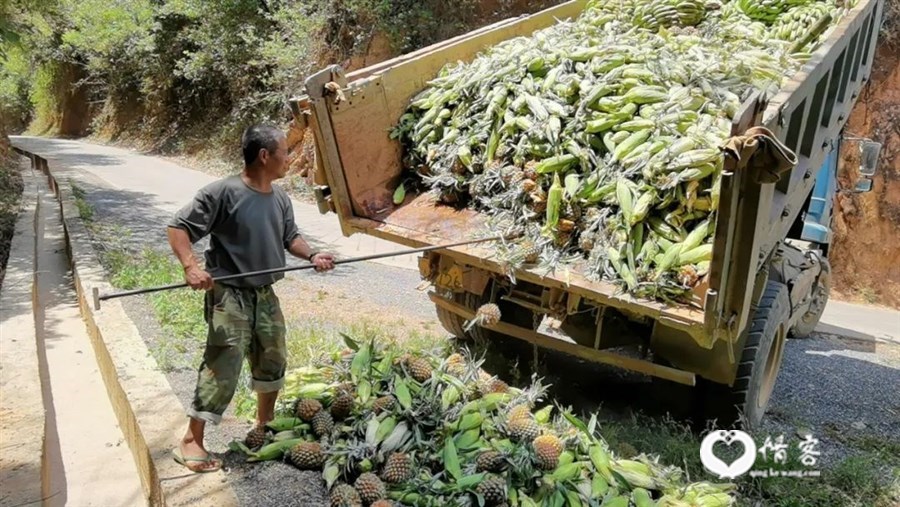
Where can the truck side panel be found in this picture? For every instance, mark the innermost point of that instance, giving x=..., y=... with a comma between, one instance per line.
x=808, y=116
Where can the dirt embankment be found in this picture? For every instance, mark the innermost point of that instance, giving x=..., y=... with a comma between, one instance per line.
x=866, y=254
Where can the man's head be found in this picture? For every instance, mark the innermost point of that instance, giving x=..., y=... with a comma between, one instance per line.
x=265, y=150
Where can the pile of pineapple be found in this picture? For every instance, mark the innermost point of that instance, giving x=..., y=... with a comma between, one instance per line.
x=388, y=428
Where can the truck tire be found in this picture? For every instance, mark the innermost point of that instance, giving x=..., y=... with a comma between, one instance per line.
x=808, y=322
x=747, y=399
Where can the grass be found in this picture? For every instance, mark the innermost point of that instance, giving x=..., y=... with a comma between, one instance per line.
x=870, y=477
x=85, y=210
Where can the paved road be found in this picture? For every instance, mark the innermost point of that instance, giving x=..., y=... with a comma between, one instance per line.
x=153, y=184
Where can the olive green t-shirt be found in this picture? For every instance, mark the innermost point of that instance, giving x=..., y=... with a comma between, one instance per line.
x=248, y=230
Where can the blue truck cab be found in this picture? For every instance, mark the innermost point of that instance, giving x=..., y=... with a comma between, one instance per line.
x=819, y=211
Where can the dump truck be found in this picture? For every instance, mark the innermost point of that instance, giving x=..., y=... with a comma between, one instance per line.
x=769, y=277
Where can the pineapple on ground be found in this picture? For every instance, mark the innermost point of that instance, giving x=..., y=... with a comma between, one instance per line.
x=256, y=437
x=398, y=468
x=490, y=461
x=370, y=488
x=322, y=424
x=382, y=404
x=307, y=408
x=522, y=428
x=547, y=448
x=493, y=490
x=308, y=456
x=343, y=495
x=420, y=369
x=456, y=365
x=342, y=406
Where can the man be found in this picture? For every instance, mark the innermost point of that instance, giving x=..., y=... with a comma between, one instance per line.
x=250, y=223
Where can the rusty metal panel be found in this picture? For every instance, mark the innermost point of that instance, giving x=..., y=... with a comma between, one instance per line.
x=371, y=160
x=368, y=159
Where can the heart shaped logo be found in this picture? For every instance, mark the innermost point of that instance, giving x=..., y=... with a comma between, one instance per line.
x=715, y=465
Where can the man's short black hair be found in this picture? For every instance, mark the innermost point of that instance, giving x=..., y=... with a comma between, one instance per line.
x=257, y=137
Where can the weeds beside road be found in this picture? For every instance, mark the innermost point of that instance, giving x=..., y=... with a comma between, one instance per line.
x=10, y=196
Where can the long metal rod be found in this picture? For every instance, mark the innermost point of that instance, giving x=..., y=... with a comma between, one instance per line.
x=98, y=297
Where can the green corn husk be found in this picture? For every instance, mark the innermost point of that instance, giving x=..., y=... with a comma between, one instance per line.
x=612, y=100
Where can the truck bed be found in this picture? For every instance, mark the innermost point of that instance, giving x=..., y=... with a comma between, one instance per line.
x=362, y=166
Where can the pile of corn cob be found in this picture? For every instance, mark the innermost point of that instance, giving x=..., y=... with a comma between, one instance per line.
x=599, y=138
x=382, y=425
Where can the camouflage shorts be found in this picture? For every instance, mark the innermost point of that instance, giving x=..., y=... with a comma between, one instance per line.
x=242, y=323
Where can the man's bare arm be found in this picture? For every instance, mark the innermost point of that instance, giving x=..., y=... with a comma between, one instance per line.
x=300, y=248
x=181, y=246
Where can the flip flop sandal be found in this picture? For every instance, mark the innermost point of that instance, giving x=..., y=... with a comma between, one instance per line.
x=184, y=462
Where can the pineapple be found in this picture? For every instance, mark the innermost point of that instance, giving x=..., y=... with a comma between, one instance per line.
x=519, y=412
x=493, y=490
x=308, y=456
x=489, y=314
x=370, y=488
x=565, y=225
x=527, y=185
x=586, y=241
x=547, y=448
x=510, y=175
x=530, y=252
x=382, y=404
x=490, y=461
x=398, y=468
x=307, y=408
x=456, y=365
x=342, y=406
x=530, y=172
x=420, y=369
x=343, y=495
x=383, y=503
x=497, y=386
x=322, y=424
x=522, y=429
x=256, y=437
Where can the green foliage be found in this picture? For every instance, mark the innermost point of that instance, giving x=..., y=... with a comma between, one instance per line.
x=14, y=87
x=191, y=73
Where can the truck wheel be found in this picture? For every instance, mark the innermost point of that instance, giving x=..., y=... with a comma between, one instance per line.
x=807, y=324
x=760, y=361
x=505, y=356
x=454, y=324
